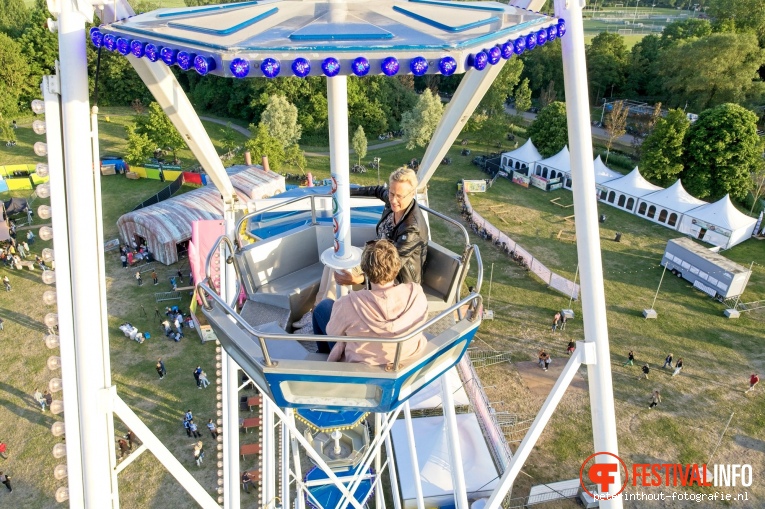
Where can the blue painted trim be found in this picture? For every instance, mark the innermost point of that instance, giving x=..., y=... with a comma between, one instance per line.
x=340, y=37
x=207, y=9
x=459, y=5
x=495, y=37
x=226, y=31
x=441, y=26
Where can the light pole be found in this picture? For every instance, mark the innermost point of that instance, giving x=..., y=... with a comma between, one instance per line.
x=652, y=6
x=637, y=2
x=377, y=163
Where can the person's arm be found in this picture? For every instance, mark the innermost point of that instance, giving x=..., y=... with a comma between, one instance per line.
x=379, y=192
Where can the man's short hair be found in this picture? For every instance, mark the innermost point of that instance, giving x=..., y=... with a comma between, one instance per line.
x=404, y=174
x=380, y=262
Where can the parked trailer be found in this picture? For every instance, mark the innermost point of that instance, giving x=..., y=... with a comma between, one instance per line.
x=709, y=271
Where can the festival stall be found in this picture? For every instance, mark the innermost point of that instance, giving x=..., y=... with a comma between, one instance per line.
x=668, y=205
x=521, y=159
x=625, y=192
x=718, y=223
x=166, y=226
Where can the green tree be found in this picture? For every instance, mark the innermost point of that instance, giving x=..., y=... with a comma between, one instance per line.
x=14, y=75
x=40, y=47
x=691, y=77
x=543, y=65
x=642, y=80
x=722, y=150
x=523, y=97
x=420, y=123
x=616, y=124
x=492, y=104
x=156, y=125
x=13, y=17
x=7, y=132
x=359, y=143
x=743, y=16
x=549, y=131
x=281, y=119
x=263, y=144
x=139, y=147
x=229, y=140
x=662, y=150
x=606, y=65
x=685, y=29
x=293, y=156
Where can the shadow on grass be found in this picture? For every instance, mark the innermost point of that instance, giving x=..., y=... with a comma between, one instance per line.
x=23, y=320
x=750, y=443
x=30, y=410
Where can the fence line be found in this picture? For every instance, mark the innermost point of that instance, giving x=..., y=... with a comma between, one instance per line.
x=523, y=257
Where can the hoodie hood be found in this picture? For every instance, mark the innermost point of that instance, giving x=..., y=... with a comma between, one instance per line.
x=393, y=311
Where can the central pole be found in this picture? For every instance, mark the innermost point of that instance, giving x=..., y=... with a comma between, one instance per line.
x=588, y=245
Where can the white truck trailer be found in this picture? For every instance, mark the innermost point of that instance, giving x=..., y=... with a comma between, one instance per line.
x=709, y=271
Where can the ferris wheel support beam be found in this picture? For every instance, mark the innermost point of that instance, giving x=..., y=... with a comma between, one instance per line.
x=455, y=453
x=588, y=246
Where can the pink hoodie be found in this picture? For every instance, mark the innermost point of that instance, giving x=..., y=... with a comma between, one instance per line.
x=379, y=313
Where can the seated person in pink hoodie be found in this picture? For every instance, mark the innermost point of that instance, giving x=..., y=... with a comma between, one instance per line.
x=387, y=310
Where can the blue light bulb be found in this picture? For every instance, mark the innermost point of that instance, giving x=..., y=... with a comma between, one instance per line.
x=330, y=67
x=389, y=66
x=360, y=66
x=301, y=67
x=239, y=67
x=270, y=67
x=447, y=66
x=418, y=66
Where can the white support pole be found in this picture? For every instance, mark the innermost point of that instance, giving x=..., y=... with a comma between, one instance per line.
x=268, y=456
x=168, y=460
x=537, y=427
x=86, y=264
x=379, y=498
x=392, y=470
x=289, y=420
x=50, y=89
x=588, y=245
x=285, y=465
x=471, y=90
x=413, y=452
x=455, y=453
x=230, y=374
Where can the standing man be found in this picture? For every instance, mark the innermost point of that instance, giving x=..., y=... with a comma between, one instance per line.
x=155, y=277
x=129, y=436
x=213, y=429
x=753, y=380
x=138, y=277
x=39, y=398
x=194, y=430
x=161, y=371
x=667, y=361
x=124, y=449
x=7, y=283
x=556, y=319
x=655, y=399
x=646, y=369
x=197, y=375
x=246, y=481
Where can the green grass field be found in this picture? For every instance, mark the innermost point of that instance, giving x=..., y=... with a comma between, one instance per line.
x=719, y=353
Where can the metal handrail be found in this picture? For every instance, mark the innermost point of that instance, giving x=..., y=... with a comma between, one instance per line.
x=208, y=264
x=448, y=220
x=204, y=291
x=250, y=215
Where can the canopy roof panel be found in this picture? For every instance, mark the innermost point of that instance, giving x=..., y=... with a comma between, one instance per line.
x=633, y=184
x=560, y=161
x=420, y=34
x=674, y=197
x=722, y=213
x=527, y=153
x=603, y=173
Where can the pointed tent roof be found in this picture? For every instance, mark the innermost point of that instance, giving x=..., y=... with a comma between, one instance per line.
x=675, y=197
x=560, y=161
x=633, y=184
x=603, y=173
x=528, y=153
x=722, y=213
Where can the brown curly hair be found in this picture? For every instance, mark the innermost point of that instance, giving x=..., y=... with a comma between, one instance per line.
x=380, y=262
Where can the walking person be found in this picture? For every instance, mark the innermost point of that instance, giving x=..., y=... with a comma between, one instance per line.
x=180, y=276
x=556, y=319
x=7, y=283
x=630, y=359
x=753, y=381
x=199, y=453
x=563, y=321
x=129, y=436
x=39, y=398
x=48, y=397
x=155, y=277
x=6, y=479
x=548, y=360
x=667, y=361
x=161, y=371
x=123, y=259
x=194, y=430
x=188, y=415
x=655, y=399
x=571, y=347
x=213, y=429
x=3, y=450
x=541, y=358
x=246, y=481
x=203, y=380
x=139, y=278
x=678, y=366
x=646, y=369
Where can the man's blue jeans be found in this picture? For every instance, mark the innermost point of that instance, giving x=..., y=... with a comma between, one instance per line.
x=320, y=319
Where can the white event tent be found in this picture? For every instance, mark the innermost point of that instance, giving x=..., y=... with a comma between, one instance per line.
x=625, y=192
x=718, y=223
x=602, y=174
x=521, y=158
x=668, y=205
x=555, y=166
